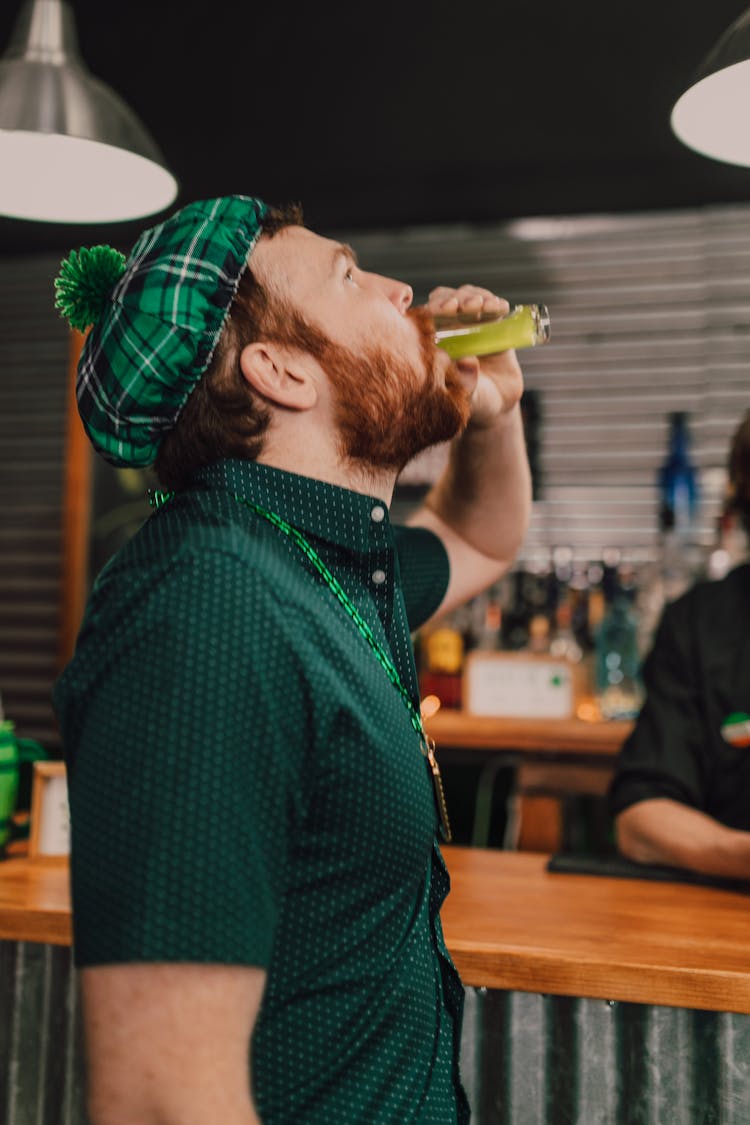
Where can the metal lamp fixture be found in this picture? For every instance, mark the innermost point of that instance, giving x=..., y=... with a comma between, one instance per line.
x=71, y=151
x=711, y=116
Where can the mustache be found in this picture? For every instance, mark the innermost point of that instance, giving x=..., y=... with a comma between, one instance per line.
x=425, y=323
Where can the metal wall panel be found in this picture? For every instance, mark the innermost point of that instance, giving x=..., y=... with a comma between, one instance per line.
x=553, y=1060
x=526, y=1059
x=41, y=1070
x=33, y=384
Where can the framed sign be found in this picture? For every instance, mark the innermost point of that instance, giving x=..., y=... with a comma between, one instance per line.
x=520, y=685
x=49, y=838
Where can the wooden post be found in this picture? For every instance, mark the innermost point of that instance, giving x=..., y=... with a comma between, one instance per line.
x=76, y=515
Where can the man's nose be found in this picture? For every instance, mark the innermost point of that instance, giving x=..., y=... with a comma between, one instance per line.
x=398, y=292
x=401, y=295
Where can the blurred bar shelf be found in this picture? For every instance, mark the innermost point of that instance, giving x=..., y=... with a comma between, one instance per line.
x=553, y=759
x=558, y=736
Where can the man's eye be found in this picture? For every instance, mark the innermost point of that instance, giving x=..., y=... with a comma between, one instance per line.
x=349, y=275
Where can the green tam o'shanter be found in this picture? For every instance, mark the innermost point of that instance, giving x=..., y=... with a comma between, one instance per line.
x=156, y=318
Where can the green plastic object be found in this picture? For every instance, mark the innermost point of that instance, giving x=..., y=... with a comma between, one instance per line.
x=14, y=752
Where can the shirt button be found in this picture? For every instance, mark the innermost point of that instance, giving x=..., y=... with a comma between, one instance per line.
x=377, y=514
x=378, y=577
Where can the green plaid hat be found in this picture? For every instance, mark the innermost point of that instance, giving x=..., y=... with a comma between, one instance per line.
x=157, y=318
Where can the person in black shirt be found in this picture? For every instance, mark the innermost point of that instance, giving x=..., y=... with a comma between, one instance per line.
x=681, y=791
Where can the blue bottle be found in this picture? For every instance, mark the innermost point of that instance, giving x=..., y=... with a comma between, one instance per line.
x=678, y=481
x=681, y=556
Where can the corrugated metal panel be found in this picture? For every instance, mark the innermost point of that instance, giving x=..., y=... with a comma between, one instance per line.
x=650, y=314
x=33, y=381
x=41, y=1057
x=526, y=1059
x=555, y=1060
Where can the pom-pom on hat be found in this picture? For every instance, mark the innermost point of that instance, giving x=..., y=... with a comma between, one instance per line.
x=156, y=319
x=86, y=278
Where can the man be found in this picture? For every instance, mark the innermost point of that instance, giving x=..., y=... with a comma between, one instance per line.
x=681, y=791
x=254, y=855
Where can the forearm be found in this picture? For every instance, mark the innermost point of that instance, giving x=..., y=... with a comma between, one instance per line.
x=484, y=493
x=665, y=832
x=158, y=1115
x=169, y=1044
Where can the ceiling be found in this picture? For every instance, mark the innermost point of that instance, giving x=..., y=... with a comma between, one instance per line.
x=397, y=113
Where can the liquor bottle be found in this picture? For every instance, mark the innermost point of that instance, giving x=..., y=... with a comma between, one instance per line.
x=596, y=605
x=678, y=498
x=525, y=326
x=564, y=643
x=617, y=659
x=539, y=633
x=487, y=620
x=678, y=483
x=441, y=659
x=516, y=618
x=560, y=600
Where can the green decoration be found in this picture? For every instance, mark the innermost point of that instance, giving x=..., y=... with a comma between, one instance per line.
x=735, y=718
x=86, y=278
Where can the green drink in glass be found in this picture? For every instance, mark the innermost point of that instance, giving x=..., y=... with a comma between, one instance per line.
x=525, y=326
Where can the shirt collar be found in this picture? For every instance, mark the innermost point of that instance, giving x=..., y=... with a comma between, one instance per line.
x=328, y=511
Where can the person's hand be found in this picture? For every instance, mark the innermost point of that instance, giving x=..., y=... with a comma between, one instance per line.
x=495, y=382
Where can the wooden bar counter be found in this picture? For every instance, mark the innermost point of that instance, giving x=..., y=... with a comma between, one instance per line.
x=589, y=999
x=511, y=924
x=35, y=902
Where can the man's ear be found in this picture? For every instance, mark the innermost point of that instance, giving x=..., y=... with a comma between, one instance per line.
x=279, y=374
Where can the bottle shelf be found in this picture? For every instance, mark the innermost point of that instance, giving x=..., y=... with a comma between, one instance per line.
x=554, y=736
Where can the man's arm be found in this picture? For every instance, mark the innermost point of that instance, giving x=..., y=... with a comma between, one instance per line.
x=660, y=830
x=481, y=504
x=168, y=1044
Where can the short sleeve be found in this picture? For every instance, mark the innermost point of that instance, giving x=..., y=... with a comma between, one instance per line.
x=424, y=570
x=184, y=774
x=665, y=754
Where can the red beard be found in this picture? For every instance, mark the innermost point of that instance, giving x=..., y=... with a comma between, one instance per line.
x=387, y=410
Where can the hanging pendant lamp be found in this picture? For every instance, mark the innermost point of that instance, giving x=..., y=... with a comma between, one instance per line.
x=712, y=115
x=71, y=151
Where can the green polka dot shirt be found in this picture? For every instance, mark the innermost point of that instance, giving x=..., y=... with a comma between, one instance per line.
x=246, y=787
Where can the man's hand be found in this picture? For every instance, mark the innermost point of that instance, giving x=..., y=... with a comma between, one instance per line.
x=481, y=504
x=495, y=382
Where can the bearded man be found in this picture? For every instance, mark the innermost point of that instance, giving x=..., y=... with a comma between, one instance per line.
x=254, y=805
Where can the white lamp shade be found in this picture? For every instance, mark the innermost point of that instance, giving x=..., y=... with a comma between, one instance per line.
x=71, y=151
x=72, y=180
x=712, y=116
